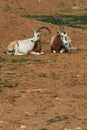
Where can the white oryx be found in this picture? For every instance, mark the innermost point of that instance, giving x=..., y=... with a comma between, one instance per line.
x=27, y=46
x=61, y=42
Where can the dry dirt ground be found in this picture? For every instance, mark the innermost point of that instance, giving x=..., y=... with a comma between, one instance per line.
x=46, y=92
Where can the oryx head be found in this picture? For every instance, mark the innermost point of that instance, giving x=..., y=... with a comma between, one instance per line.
x=66, y=41
x=37, y=36
x=38, y=32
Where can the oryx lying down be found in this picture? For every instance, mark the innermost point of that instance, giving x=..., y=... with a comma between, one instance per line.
x=61, y=42
x=27, y=46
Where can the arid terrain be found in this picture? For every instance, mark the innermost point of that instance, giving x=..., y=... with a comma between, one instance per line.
x=46, y=92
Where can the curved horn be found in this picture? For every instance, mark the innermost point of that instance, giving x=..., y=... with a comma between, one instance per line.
x=43, y=27
x=33, y=30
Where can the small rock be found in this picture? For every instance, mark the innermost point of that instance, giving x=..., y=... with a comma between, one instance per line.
x=78, y=128
x=23, y=126
x=1, y=121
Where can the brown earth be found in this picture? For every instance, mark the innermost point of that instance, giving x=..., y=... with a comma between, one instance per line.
x=46, y=92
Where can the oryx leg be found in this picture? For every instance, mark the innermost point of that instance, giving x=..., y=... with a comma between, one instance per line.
x=37, y=53
x=17, y=50
x=73, y=48
x=11, y=48
x=62, y=50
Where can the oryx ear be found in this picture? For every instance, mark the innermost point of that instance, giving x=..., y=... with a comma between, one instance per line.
x=58, y=32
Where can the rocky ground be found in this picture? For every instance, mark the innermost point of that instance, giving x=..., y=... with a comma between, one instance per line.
x=46, y=92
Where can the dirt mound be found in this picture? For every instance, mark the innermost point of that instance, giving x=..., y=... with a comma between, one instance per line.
x=43, y=6
x=13, y=27
x=46, y=92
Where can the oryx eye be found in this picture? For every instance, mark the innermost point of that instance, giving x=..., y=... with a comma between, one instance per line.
x=66, y=44
x=66, y=38
x=62, y=36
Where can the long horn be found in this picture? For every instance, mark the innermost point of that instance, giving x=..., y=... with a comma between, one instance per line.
x=43, y=27
x=60, y=23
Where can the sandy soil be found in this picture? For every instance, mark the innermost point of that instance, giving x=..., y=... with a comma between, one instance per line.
x=46, y=92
